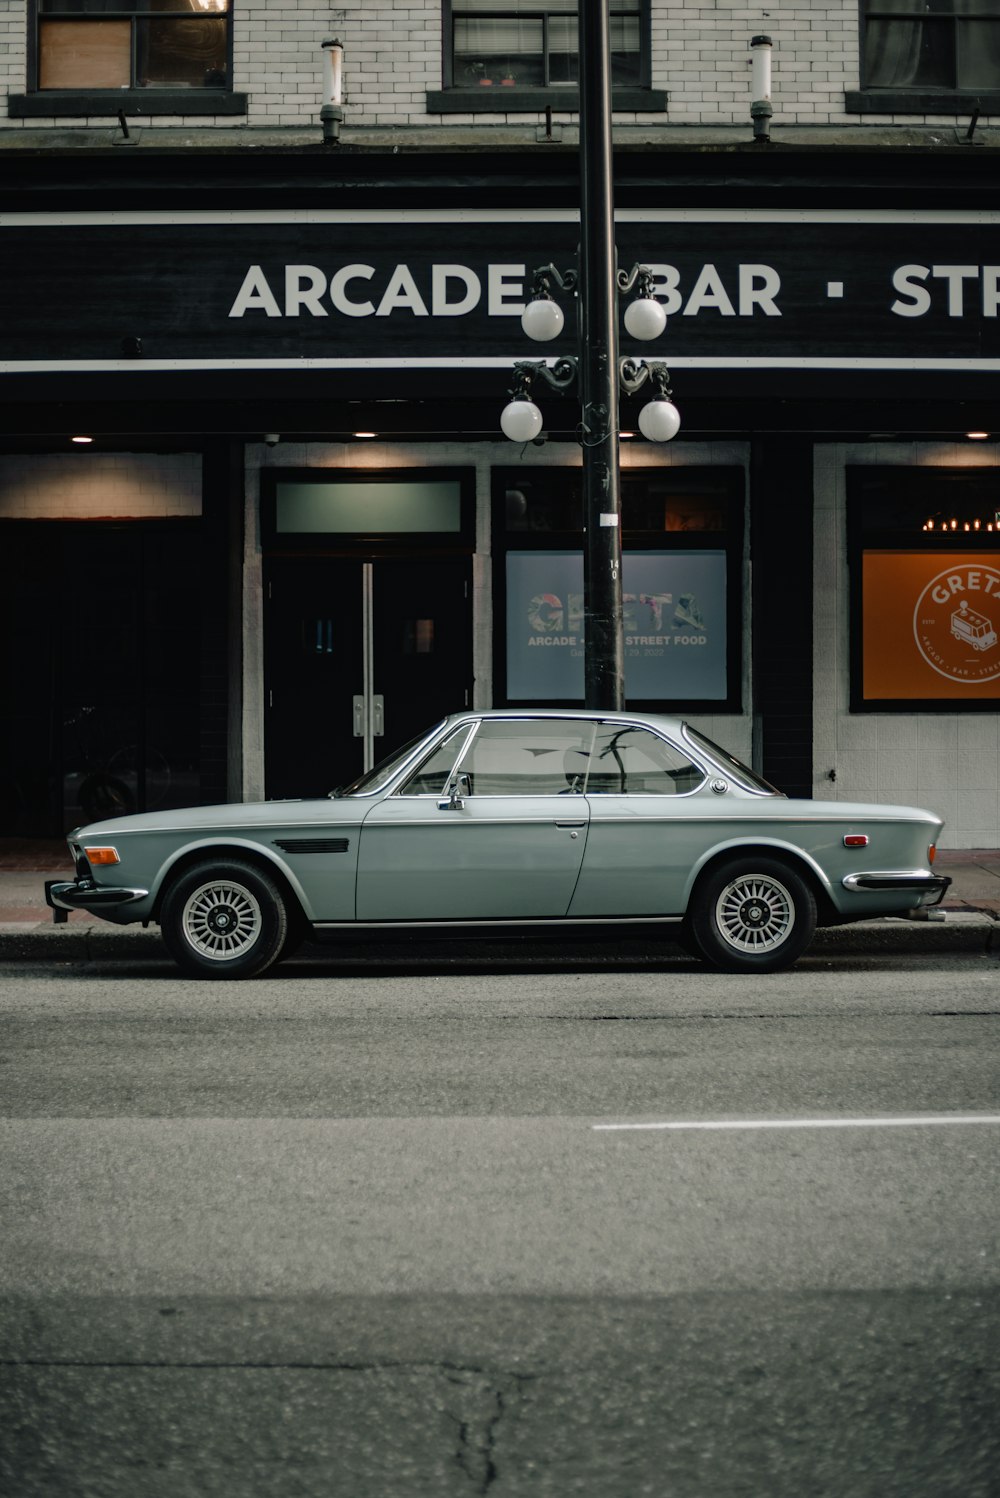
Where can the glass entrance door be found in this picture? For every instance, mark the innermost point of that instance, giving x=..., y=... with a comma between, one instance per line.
x=360, y=656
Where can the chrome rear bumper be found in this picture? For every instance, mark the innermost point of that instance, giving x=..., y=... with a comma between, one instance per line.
x=930, y=886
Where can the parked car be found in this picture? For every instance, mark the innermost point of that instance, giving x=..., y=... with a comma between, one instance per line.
x=513, y=821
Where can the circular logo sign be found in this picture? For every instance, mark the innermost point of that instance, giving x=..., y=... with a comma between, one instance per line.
x=956, y=623
x=546, y=615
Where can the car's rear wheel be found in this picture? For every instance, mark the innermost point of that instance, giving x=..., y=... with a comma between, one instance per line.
x=225, y=919
x=753, y=914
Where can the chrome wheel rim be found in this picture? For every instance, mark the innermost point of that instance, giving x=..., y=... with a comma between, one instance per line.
x=754, y=913
x=222, y=920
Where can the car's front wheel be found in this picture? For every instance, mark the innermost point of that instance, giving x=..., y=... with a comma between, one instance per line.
x=753, y=914
x=225, y=919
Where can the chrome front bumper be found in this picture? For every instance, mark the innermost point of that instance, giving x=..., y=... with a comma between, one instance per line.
x=931, y=887
x=64, y=895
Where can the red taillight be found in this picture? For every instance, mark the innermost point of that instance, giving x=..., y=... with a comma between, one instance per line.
x=855, y=839
x=932, y=853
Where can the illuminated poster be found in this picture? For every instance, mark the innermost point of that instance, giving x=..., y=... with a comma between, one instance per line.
x=931, y=625
x=674, y=605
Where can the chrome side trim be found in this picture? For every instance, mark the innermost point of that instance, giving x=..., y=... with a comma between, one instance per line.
x=520, y=922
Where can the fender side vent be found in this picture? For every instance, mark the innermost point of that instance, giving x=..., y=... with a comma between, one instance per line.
x=312, y=844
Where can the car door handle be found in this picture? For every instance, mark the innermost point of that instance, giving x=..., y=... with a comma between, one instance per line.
x=564, y=825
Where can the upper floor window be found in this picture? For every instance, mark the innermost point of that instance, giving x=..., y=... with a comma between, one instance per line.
x=132, y=44
x=932, y=45
x=533, y=43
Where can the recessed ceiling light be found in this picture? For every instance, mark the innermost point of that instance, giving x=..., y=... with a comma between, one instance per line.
x=364, y=434
x=81, y=439
x=977, y=436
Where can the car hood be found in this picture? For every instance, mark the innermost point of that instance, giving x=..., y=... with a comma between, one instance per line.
x=247, y=815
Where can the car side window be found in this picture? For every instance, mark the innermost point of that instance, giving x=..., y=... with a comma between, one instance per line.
x=431, y=777
x=546, y=757
x=633, y=761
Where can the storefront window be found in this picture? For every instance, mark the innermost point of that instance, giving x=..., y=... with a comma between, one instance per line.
x=681, y=572
x=924, y=549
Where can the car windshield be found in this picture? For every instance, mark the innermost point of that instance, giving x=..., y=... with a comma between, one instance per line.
x=723, y=757
x=375, y=779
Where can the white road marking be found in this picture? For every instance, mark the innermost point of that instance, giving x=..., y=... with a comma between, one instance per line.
x=918, y=1121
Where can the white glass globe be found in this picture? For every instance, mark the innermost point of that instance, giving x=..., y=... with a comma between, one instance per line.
x=659, y=420
x=521, y=421
x=542, y=319
x=645, y=318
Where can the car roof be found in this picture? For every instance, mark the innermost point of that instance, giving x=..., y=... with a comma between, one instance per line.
x=589, y=714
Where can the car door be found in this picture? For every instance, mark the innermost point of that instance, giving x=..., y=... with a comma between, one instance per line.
x=507, y=845
x=646, y=830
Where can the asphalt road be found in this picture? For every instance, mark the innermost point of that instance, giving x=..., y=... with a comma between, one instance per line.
x=384, y=1236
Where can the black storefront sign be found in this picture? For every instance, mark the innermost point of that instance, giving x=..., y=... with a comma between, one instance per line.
x=802, y=288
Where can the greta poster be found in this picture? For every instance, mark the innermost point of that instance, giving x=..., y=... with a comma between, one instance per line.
x=930, y=626
x=674, y=607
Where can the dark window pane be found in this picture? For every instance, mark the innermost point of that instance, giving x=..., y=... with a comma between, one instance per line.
x=488, y=50
x=910, y=54
x=188, y=52
x=539, y=499
x=535, y=42
x=979, y=54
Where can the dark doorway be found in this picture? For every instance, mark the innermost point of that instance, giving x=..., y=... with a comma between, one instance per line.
x=360, y=656
x=101, y=671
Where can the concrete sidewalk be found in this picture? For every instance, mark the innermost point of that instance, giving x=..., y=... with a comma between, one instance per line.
x=971, y=912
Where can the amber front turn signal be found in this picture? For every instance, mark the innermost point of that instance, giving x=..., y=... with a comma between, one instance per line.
x=101, y=855
x=932, y=853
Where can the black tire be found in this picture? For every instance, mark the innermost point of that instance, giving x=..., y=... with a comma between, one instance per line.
x=224, y=919
x=753, y=914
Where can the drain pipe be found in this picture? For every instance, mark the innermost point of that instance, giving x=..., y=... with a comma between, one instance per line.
x=760, y=87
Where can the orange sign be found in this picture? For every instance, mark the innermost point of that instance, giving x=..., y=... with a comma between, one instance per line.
x=931, y=625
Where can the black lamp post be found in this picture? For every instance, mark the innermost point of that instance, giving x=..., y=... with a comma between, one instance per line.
x=604, y=652
x=598, y=368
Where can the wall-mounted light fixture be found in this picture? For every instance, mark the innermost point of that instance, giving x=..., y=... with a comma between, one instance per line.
x=760, y=87
x=81, y=440
x=332, y=114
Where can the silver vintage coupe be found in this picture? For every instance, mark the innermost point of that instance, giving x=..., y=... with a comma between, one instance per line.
x=516, y=822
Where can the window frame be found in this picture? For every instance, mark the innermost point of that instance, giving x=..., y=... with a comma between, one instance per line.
x=214, y=99
x=454, y=97
x=918, y=98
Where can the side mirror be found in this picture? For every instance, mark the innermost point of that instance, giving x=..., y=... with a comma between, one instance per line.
x=458, y=789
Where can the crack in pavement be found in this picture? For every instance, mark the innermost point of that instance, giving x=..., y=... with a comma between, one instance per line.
x=479, y=1429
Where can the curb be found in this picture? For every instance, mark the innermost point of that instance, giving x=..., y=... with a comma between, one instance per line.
x=967, y=931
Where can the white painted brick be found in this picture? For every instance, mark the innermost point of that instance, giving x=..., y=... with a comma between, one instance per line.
x=393, y=54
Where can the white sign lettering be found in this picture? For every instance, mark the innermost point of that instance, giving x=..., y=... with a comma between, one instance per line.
x=916, y=297
x=455, y=290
